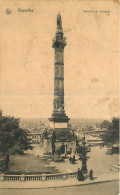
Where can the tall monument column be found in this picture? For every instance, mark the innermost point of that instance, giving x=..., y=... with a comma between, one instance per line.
x=59, y=118
x=62, y=137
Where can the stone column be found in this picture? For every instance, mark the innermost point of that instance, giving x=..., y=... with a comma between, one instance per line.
x=22, y=177
x=65, y=176
x=44, y=177
x=59, y=43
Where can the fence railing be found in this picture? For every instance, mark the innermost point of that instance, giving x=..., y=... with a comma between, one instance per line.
x=11, y=178
x=33, y=178
x=42, y=177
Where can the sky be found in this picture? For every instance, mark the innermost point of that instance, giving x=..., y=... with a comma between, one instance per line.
x=90, y=58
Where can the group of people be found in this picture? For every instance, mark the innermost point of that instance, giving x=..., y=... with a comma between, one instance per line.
x=72, y=159
x=80, y=175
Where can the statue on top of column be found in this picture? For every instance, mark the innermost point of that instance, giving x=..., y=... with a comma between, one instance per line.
x=59, y=21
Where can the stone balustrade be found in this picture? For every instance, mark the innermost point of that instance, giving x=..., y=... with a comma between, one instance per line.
x=33, y=177
x=12, y=178
x=42, y=177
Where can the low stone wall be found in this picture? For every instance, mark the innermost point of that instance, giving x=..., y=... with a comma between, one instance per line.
x=42, y=177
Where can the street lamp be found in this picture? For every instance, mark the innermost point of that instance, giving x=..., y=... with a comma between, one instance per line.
x=83, y=157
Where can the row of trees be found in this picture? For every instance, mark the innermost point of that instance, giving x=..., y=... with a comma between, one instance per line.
x=12, y=138
x=111, y=136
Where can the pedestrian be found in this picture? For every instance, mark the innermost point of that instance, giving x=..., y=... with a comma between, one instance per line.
x=80, y=176
x=70, y=159
x=73, y=160
x=91, y=174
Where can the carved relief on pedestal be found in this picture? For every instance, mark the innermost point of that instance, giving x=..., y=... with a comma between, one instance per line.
x=63, y=135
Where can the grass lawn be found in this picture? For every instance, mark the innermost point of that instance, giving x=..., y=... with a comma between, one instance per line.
x=28, y=164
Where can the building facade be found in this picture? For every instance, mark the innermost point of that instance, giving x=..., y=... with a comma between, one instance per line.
x=34, y=138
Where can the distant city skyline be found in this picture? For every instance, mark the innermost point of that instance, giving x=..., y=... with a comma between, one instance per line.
x=90, y=59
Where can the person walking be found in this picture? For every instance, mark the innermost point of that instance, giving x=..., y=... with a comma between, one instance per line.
x=73, y=160
x=70, y=159
x=91, y=174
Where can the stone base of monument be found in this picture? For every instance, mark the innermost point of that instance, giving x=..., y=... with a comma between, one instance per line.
x=70, y=146
x=55, y=125
x=62, y=141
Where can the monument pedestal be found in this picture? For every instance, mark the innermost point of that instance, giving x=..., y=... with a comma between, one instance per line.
x=70, y=146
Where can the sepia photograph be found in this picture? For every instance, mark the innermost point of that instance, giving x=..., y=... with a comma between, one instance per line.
x=59, y=97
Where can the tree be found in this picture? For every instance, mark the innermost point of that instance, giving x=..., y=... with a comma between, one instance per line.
x=12, y=137
x=112, y=134
x=105, y=124
x=90, y=128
